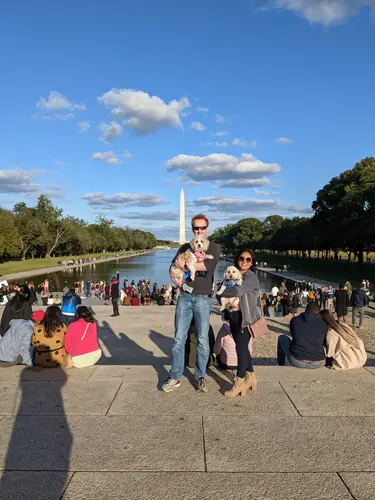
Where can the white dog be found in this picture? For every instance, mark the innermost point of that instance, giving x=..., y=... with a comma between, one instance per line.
x=195, y=253
x=232, y=277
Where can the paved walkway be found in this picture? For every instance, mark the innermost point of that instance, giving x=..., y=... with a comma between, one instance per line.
x=107, y=432
x=296, y=277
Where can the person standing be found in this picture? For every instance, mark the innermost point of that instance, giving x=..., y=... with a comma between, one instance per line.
x=330, y=297
x=197, y=305
x=342, y=303
x=114, y=293
x=359, y=301
x=274, y=293
x=69, y=306
x=241, y=321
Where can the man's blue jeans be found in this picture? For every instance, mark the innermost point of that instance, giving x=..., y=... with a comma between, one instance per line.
x=188, y=306
x=283, y=350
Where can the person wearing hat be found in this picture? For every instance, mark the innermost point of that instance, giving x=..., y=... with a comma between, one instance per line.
x=15, y=346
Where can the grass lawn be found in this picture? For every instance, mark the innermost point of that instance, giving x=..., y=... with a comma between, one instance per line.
x=328, y=270
x=19, y=266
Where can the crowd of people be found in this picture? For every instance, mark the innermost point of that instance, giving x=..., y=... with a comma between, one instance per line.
x=54, y=337
x=67, y=336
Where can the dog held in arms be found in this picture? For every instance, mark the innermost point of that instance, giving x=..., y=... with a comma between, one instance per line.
x=232, y=277
x=196, y=253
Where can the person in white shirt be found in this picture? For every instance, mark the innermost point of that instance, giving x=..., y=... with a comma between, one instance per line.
x=274, y=293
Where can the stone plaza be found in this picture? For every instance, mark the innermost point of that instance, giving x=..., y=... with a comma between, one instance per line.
x=108, y=432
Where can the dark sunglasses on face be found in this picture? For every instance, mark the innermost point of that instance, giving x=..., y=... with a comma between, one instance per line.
x=196, y=228
x=242, y=259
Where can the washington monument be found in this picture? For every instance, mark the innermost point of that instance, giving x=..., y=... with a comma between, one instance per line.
x=182, y=218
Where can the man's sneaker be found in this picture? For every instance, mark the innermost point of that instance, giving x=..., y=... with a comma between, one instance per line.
x=170, y=384
x=201, y=385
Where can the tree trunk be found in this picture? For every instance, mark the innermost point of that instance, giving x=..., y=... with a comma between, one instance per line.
x=59, y=234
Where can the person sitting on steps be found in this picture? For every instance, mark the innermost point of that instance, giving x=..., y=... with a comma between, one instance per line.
x=306, y=348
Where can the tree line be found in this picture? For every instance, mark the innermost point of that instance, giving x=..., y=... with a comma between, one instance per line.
x=44, y=231
x=343, y=220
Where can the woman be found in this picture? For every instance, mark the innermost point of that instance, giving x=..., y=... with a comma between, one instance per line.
x=48, y=339
x=240, y=321
x=295, y=303
x=81, y=339
x=266, y=305
x=50, y=300
x=17, y=308
x=343, y=345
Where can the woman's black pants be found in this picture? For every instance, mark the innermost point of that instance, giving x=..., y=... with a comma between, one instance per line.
x=241, y=338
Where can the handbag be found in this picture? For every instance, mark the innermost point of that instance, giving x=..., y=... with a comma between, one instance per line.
x=259, y=328
x=68, y=360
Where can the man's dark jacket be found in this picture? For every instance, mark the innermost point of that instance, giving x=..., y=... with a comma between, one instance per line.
x=115, y=294
x=359, y=298
x=309, y=333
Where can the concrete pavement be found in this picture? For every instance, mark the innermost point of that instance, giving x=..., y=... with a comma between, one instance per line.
x=107, y=432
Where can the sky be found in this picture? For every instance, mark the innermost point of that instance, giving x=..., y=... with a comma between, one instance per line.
x=251, y=106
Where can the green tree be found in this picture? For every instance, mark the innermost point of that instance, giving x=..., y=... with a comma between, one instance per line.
x=9, y=237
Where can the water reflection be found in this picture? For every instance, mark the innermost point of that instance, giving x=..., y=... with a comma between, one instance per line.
x=153, y=266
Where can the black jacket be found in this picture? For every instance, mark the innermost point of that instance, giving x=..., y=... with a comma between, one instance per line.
x=359, y=298
x=342, y=303
x=309, y=333
x=115, y=293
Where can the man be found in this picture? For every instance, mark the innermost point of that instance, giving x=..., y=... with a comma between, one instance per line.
x=359, y=301
x=283, y=288
x=274, y=293
x=69, y=306
x=114, y=293
x=342, y=303
x=15, y=346
x=306, y=349
x=197, y=305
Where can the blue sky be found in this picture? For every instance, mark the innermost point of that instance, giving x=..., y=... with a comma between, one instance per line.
x=251, y=106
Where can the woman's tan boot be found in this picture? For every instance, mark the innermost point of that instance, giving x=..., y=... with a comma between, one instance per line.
x=251, y=381
x=239, y=387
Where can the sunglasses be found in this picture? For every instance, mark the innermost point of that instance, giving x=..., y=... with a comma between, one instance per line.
x=242, y=259
x=197, y=228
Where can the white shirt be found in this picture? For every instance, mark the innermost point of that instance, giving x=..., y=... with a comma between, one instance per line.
x=274, y=291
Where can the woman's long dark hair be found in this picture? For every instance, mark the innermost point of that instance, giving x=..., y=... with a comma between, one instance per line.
x=253, y=266
x=85, y=313
x=52, y=321
x=22, y=296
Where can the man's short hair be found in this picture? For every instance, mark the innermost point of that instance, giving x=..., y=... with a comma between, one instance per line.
x=313, y=306
x=199, y=216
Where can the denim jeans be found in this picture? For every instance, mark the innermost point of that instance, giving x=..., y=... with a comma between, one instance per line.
x=189, y=306
x=284, y=344
x=67, y=319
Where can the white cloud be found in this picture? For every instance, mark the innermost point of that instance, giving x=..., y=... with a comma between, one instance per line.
x=221, y=144
x=219, y=118
x=188, y=182
x=142, y=113
x=218, y=167
x=59, y=162
x=249, y=206
x=324, y=11
x=99, y=200
x=242, y=183
x=202, y=110
x=56, y=187
x=156, y=215
x=56, y=106
x=264, y=192
x=110, y=131
x=111, y=157
x=243, y=144
x=220, y=134
x=18, y=181
x=83, y=126
x=198, y=126
x=284, y=140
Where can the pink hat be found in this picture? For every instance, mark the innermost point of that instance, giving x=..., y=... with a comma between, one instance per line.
x=37, y=315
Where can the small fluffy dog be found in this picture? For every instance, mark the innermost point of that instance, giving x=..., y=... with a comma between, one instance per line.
x=196, y=253
x=232, y=277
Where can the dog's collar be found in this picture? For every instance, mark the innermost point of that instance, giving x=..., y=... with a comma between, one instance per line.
x=199, y=254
